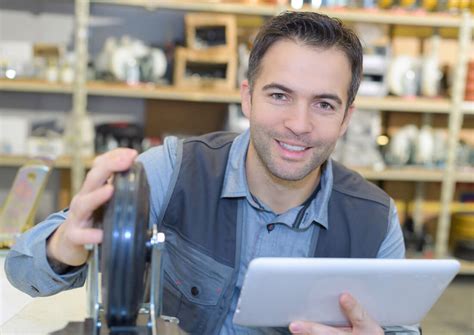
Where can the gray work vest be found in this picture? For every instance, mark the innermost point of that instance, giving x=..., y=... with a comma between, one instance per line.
x=203, y=231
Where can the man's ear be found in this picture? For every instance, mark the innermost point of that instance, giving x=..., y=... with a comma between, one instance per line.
x=347, y=119
x=246, y=97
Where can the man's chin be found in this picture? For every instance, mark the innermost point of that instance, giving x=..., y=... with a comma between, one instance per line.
x=290, y=175
x=294, y=172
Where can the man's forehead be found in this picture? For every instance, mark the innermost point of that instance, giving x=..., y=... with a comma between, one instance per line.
x=324, y=72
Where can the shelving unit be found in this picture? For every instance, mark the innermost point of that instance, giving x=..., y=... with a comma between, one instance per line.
x=455, y=107
x=151, y=91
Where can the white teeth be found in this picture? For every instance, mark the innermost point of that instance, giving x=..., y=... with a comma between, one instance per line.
x=292, y=147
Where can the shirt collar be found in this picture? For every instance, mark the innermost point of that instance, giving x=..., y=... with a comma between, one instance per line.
x=235, y=182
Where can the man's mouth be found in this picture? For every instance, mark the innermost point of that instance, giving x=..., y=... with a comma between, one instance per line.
x=291, y=147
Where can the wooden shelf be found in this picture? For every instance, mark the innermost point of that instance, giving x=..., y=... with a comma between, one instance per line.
x=151, y=91
x=62, y=162
x=400, y=104
x=413, y=174
x=389, y=174
x=144, y=91
x=230, y=7
x=468, y=107
x=34, y=86
x=413, y=18
x=466, y=176
x=402, y=174
x=396, y=17
x=467, y=267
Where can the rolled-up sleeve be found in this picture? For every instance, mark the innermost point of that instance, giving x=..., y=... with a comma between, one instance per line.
x=28, y=269
x=393, y=246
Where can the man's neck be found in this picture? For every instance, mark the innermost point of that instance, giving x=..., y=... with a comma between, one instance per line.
x=280, y=195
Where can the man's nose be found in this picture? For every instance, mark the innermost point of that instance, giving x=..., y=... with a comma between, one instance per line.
x=298, y=120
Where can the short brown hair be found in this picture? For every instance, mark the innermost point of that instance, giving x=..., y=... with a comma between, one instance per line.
x=312, y=29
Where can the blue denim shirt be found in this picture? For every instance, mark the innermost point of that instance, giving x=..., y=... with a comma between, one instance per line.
x=265, y=233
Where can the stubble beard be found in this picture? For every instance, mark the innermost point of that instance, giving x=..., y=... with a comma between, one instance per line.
x=262, y=140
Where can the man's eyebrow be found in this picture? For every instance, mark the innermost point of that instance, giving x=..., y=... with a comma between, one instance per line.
x=283, y=88
x=277, y=86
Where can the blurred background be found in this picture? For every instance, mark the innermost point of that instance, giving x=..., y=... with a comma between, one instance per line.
x=78, y=78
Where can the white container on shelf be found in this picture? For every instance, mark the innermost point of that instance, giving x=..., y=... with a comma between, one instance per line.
x=45, y=146
x=13, y=133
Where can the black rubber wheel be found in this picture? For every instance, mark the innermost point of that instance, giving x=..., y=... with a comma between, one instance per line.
x=124, y=250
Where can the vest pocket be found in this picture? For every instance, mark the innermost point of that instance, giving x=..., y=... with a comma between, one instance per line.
x=194, y=285
x=171, y=297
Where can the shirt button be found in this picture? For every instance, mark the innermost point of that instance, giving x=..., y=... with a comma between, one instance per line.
x=270, y=227
x=194, y=291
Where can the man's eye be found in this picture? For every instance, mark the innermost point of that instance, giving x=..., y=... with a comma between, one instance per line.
x=278, y=96
x=324, y=105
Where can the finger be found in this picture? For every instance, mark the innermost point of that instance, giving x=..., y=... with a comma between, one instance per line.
x=105, y=165
x=83, y=205
x=81, y=236
x=113, y=154
x=311, y=328
x=356, y=314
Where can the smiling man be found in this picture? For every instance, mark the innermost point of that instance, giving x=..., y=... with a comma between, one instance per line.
x=223, y=199
x=298, y=108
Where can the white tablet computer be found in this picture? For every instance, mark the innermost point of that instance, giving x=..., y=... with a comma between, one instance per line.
x=277, y=291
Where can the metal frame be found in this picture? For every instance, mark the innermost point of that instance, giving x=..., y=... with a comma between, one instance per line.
x=79, y=102
x=455, y=124
x=153, y=308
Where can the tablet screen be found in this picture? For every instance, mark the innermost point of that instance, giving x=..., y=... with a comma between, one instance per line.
x=277, y=291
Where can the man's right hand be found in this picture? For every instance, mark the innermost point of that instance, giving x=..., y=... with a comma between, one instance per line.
x=66, y=245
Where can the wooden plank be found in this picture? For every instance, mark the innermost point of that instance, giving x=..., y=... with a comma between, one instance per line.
x=61, y=162
x=194, y=21
x=399, y=17
x=33, y=85
x=221, y=56
x=152, y=91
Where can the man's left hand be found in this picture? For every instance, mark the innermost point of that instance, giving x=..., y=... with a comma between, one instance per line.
x=361, y=322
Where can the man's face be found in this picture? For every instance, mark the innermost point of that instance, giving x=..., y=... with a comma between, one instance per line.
x=297, y=109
